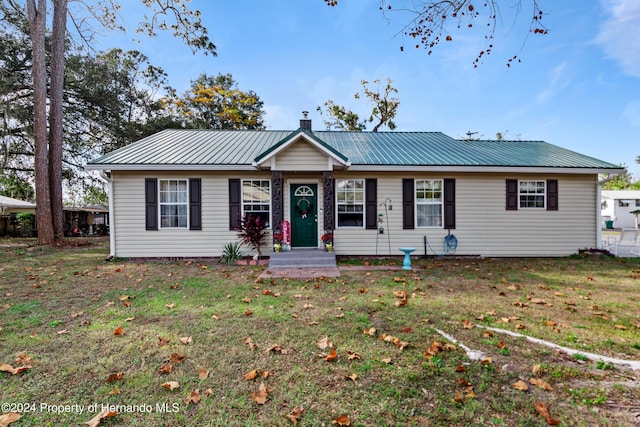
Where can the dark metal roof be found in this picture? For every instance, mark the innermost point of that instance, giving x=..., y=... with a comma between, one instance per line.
x=228, y=148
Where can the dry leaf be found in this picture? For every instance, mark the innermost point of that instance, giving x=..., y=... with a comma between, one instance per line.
x=535, y=369
x=162, y=341
x=261, y=396
x=251, y=375
x=458, y=398
x=176, y=358
x=166, y=368
x=387, y=360
x=208, y=392
x=194, y=397
x=170, y=305
x=324, y=343
x=460, y=368
x=541, y=384
x=468, y=324
x=352, y=377
x=115, y=391
x=119, y=331
x=541, y=408
x=8, y=418
x=352, y=355
x=246, y=299
x=295, y=414
x=93, y=422
x=251, y=344
x=14, y=371
x=520, y=385
x=401, y=303
x=171, y=385
x=203, y=373
x=332, y=356
x=370, y=331
x=342, y=420
x=186, y=340
x=115, y=377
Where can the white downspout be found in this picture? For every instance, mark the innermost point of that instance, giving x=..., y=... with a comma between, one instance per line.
x=112, y=228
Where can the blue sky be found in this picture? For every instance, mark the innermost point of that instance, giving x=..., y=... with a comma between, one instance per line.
x=577, y=87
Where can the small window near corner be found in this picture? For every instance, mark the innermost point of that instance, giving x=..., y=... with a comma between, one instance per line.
x=350, y=202
x=256, y=199
x=532, y=194
x=174, y=203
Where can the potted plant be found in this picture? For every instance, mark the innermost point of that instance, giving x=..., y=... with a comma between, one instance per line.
x=277, y=240
x=327, y=239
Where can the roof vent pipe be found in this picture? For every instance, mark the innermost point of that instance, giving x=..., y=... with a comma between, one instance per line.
x=305, y=122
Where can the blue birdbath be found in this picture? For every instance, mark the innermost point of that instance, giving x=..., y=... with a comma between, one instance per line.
x=406, y=265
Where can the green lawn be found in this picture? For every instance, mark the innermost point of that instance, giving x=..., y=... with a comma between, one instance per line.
x=207, y=326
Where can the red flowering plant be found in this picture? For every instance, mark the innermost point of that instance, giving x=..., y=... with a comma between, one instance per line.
x=327, y=237
x=278, y=236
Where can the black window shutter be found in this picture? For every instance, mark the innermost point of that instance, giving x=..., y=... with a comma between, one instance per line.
x=408, y=197
x=151, y=203
x=371, y=198
x=449, y=204
x=195, y=204
x=512, y=194
x=235, y=203
x=552, y=194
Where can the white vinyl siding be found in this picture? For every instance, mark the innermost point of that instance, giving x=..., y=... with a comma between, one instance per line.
x=301, y=156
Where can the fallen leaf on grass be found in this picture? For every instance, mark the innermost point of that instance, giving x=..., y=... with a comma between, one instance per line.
x=541, y=408
x=332, y=356
x=162, y=341
x=387, y=360
x=119, y=331
x=170, y=305
x=203, y=373
x=8, y=418
x=64, y=332
x=252, y=375
x=352, y=377
x=115, y=391
x=166, y=368
x=262, y=395
x=323, y=343
x=541, y=384
x=194, y=397
x=171, y=385
x=176, y=358
x=14, y=371
x=342, y=420
x=276, y=348
x=105, y=413
x=467, y=324
x=352, y=355
x=295, y=414
x=370, y=331
x=186, y=340
x=520, y=385
x=252, y=345
x=115, y=377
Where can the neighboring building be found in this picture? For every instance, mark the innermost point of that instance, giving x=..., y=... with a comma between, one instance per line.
x=179, y=193
x=87, y=220
x=617, y=206
x=9, y=224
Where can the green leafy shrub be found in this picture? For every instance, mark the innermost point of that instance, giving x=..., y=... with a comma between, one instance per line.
x=231, y=253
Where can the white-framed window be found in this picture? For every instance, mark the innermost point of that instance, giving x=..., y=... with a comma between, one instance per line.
x=350, y=202
x=256, y=199
x=174, y=203
x=532, y=194
x=429, y=202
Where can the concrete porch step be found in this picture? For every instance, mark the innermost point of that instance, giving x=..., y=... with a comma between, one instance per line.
x=302, y=258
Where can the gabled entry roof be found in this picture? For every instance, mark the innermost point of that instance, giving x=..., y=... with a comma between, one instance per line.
x=176, y=149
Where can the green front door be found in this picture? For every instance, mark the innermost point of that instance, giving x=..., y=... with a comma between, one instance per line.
x=304, y=215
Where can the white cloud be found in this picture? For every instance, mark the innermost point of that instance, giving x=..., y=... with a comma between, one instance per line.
x=619, y=34
x=560, y=78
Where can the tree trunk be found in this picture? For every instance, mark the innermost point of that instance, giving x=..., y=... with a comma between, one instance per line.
x=37, y=18
x=59, y=30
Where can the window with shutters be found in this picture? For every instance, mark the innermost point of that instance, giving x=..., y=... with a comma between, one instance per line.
x=350, y=202
x=532, y=194
x=256, y=199
x=174, y=203
x=429, y=202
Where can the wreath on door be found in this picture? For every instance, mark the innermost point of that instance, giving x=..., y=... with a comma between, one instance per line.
x=305, y=210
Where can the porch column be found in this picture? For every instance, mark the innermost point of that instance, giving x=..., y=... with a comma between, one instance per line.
x=277, y=202
x=328, y=202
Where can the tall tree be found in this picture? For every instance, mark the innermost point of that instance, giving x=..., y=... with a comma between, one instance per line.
x=216, y=102
x=186, y=25
x=383, y=111
x=430, y=22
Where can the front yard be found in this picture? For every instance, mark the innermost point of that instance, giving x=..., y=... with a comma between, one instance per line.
x=194, y=342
